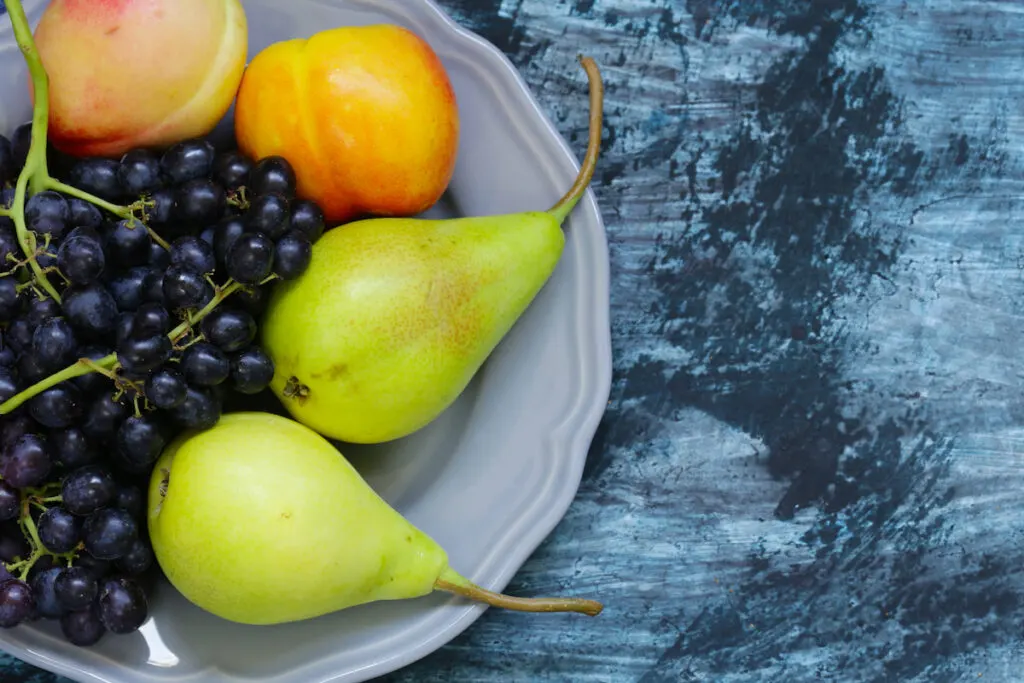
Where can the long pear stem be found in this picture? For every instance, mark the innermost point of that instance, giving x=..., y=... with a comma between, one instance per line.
x=566, y=204
x=451, y=582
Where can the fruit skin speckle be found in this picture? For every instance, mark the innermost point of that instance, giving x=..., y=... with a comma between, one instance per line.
x=94, y=9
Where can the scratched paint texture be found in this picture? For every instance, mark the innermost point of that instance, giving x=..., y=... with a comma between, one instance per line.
x=810, y=468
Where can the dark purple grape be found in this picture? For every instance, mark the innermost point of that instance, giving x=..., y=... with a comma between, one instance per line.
x=205, y=365
x=10, y=250
x=8, y=384
x=166, y=389
x=82, y=627
x=201, y=409
x=128, y=243
x=88, y=489
x=47, y=213
x=58, y=407
x=252, y=300
x=187, y=160
x=185, y=289
x=144, y=355
x=103, y=417
x=19, y=333
x=138, y=172
x=128, y=288
x=192, y=253
x=150, y=319
x=199, y=202
x=75, y=587
x=159, y=258
x=109, y=533
x=251, y=371
x=26, y=463
x=47, y=203
x=93, y=382
x=47, y=604
x=153, y=286
x=91, y=310
x=230, y=329
x=231, y=169
x=80, y=258
x=268, y=214
x=161, y=211
x=272, y=174
x=251, y=258
x=59, y=530
x=54, y=345
x=30, y=370
x=8, y=170
x=16, y=603
x=10, y=299
x=224, y=236
x=132, y=500
x=10, y=502
x=136, y=561
x=12, y=542
x=47, y=259
x=128, y=468
x=122, y=605
x=139, y=440
x=97, y=569
x=71, y=448
x=292, y=255
x=39, y=310
x=7, y=355
x=207, y=235
x=15, y=426
x=21, y=141
x=308, y=219
x=98, y=176
x=83, y=214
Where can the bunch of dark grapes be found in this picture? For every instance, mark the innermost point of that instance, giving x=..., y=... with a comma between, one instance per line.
x=161, y=285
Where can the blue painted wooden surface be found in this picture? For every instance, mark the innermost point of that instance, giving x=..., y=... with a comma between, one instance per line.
x=811, y=467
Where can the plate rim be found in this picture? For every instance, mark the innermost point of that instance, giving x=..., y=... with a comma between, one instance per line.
x=573, y=433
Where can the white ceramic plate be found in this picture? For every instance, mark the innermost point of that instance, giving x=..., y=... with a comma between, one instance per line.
x=491, y=477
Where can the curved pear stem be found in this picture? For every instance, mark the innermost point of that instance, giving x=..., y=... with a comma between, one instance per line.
x=451, y=582
x=566, y=204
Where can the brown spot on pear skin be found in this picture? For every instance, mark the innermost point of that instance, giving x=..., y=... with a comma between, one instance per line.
x=295, y=389
x=286, y=515
x=333, y=373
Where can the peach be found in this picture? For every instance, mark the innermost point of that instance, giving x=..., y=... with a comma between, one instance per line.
x=365, y=114
x=139, y=73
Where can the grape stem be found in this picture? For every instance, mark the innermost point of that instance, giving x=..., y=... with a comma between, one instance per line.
x=33, y=533
x=108, y=364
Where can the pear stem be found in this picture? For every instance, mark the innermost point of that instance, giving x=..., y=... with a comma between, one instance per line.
x=451, y=582
x=566, y=204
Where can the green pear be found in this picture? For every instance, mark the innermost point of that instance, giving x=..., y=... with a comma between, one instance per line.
x=394, y=316
x=260, y=520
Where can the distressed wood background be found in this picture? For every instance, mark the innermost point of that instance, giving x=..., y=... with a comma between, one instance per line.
x=810, y=468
